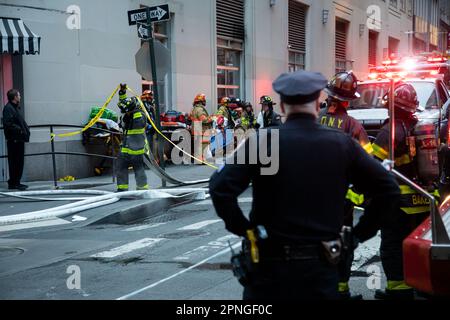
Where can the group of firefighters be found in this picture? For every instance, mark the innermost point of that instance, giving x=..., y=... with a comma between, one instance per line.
x=341, y=90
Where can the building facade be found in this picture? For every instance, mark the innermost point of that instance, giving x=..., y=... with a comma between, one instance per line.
x=217, y=47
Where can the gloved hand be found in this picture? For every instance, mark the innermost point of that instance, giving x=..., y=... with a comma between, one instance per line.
x=123, y=87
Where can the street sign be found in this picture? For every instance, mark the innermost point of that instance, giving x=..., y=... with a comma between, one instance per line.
x=157, y=14
x=143, y=31
x=135, y=16
x=143, y=65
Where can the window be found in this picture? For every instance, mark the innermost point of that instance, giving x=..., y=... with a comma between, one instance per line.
x=229, y=53
x=230, y=45
x=393, y=46
x=296, y=61
x=393, y=3
x=373, y=41
x=341, y=46
x=297, y=35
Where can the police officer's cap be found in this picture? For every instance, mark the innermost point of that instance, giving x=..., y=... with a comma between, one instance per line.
x=300, y=87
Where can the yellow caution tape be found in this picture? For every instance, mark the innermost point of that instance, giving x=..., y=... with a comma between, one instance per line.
x=91, y=123
x=162, y=135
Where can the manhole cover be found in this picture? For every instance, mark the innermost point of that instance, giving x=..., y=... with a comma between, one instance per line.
x=184, y=234
x=6, y=252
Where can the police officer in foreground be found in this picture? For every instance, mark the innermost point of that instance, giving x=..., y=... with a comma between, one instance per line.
x=341, y=90
x=294, y=242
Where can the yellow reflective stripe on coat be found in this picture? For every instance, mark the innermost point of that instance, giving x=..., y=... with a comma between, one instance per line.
x=123, y=187
x=135, y=132
x=368, y=148
x=416, y=210
x=343, y=287
x=133, y=152
x=397, y=285
x=137, y=115
x=405, y=159
x=379, y=152
x=146, y=187
x=404, y=189
x=357, y=199
x=122, y=96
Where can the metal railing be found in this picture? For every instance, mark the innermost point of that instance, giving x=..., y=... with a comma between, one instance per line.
x=54, y=153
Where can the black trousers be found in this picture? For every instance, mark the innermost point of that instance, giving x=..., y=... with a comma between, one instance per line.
x=293, y=280
x=392, y=237
x=345, y=264
x=16, y=151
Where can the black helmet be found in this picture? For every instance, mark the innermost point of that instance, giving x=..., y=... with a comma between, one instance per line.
x=267, y=100
x=128, y=105
x=343, y=86
x=405, y=98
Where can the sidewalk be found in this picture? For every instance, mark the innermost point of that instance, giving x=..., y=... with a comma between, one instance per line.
x=11, y=206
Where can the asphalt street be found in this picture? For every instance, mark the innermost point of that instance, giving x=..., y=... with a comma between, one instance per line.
x=181, y=254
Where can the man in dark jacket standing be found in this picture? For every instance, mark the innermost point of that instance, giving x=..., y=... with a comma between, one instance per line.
x=17, y=133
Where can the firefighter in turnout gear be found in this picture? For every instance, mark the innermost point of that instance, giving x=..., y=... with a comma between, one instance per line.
x=225, y=111
x=149, y=104
x=413, y=208
x=341, y=90
x=248, y=119
x=201, y=124
x=270, y=117
x=134, y=142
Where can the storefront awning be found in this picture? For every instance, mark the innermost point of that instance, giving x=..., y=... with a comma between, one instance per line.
x=17, y=38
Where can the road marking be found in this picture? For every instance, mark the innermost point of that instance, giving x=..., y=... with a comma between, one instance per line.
x=221, y=253
x=144, y=227
x=210, y=247
x=140, y=244
x=199, y=225
x=31, y=225
x=78, y=218
x=209, y=202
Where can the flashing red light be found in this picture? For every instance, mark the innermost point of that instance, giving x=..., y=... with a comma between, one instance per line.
x=373, y=76
x=403, y=74
x=437, y=59
x=389, y=75
x=434, y=72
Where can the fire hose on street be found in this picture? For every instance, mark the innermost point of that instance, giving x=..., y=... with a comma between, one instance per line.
x=100, y=198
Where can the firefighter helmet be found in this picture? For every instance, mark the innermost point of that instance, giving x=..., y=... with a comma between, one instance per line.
x=225, y=101
x=200, y=99
x=147, y=96
x=343, y=86
x=128, y=105
x=267, y=100
x=405, y=98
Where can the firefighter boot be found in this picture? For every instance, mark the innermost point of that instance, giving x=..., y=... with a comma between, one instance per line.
x=395, y=290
